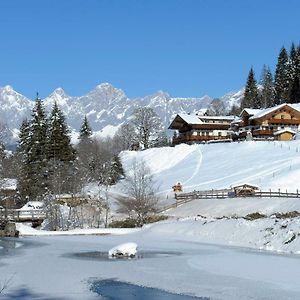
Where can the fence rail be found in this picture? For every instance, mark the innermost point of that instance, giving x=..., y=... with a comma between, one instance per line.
x=18, y=215
x=182, y=198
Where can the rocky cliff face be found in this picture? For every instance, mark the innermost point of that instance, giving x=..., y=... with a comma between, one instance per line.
x=105, y=106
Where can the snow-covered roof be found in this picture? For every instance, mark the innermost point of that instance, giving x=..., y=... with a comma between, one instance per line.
x=190, y=119
x=285, y=130
x=251, y=111
x=32, y=205
x=8, y=184
x=266, y=111
x=197, y=119
x=245, y=184
x=229, y=118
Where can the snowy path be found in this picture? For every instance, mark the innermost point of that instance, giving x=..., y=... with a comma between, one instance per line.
x=197, y=168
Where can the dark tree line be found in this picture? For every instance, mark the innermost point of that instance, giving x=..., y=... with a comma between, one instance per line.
x=48, y=164
x=285, y=87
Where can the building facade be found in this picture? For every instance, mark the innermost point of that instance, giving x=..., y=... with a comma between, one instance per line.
x=199, y=129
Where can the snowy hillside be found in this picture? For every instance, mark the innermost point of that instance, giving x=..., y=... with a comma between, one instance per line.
x=106, y=106
x=270, y=165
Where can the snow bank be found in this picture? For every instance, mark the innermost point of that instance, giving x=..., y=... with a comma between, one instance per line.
x=123, y=250
x=234, y=207
x=26, y=230
x=273, y=234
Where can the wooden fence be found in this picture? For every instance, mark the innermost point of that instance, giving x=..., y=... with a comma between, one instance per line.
x=229, y=193
x=182, y=198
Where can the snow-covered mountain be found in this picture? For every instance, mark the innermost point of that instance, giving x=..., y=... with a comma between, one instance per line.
x=106, y=106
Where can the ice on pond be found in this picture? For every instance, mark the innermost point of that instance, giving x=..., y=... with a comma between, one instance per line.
x=123, y=250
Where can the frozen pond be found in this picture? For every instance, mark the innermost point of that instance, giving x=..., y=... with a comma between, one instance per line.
x=77, y=267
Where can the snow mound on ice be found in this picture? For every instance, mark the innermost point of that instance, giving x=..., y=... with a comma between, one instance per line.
x=123, y=250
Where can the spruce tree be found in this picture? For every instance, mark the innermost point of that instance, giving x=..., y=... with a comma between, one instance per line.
x=23, y=157
x=116, y=170
x=36, y=163
x=281, y=77
x=268, y=90
x=59, y=146
x=60, y=153
x=292, y=64
x=85, y=130
x=294, y=94
x=251, y=95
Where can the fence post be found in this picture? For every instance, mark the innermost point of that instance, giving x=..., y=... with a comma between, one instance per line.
x=270, y=192
x=279, y=192
x=297, y=193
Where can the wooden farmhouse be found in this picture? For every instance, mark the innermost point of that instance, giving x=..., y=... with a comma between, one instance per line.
x=276, y=123
x=197, y=128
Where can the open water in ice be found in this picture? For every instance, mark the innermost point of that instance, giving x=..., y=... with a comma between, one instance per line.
x=116, y=290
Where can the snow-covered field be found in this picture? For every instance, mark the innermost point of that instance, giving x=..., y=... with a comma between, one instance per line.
x=270, y=165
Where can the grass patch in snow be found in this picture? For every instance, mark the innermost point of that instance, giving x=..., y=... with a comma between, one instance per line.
x=254, y=216
x=287, y=215
x=131, y=222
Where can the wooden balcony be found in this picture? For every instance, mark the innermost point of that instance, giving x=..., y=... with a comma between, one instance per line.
x=284, y=121
x=259, y=132
x=198, y=139
x=212, y=126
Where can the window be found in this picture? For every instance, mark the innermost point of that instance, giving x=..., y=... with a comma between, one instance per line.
x=219, y=133
x=282, y=117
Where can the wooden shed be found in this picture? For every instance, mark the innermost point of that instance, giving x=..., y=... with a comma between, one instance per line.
x=285, y=134
x=245, y=189
x=177, y=187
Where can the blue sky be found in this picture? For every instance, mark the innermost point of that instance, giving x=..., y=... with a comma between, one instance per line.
x=184, y=47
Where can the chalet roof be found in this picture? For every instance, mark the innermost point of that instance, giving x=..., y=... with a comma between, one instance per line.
x=285, y=130
x=229, y=118
x=190, y=119
x=251, y=111
x=266, y=111
x=197, y=119
x=246, y=185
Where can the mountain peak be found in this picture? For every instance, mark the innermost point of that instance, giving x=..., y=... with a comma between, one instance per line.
x=58, y=93
x=8, y=88
x=104, y=85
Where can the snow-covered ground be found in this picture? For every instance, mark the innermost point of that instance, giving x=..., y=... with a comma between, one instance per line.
x=202, y=231
x=270, y=165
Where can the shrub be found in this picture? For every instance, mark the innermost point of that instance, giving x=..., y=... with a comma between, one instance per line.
x=254, y=216
x=131, y=222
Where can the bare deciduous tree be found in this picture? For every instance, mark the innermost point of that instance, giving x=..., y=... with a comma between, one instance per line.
x=148, y=125
x=139, y=187
x=125, y=137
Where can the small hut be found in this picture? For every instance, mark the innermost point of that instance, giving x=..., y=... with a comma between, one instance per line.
x=177, y=187
x=243, y=190
x=285, y=134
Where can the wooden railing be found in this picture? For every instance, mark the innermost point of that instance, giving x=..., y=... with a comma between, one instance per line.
x=284, y=121
x=198, y=138
x=18, y=215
